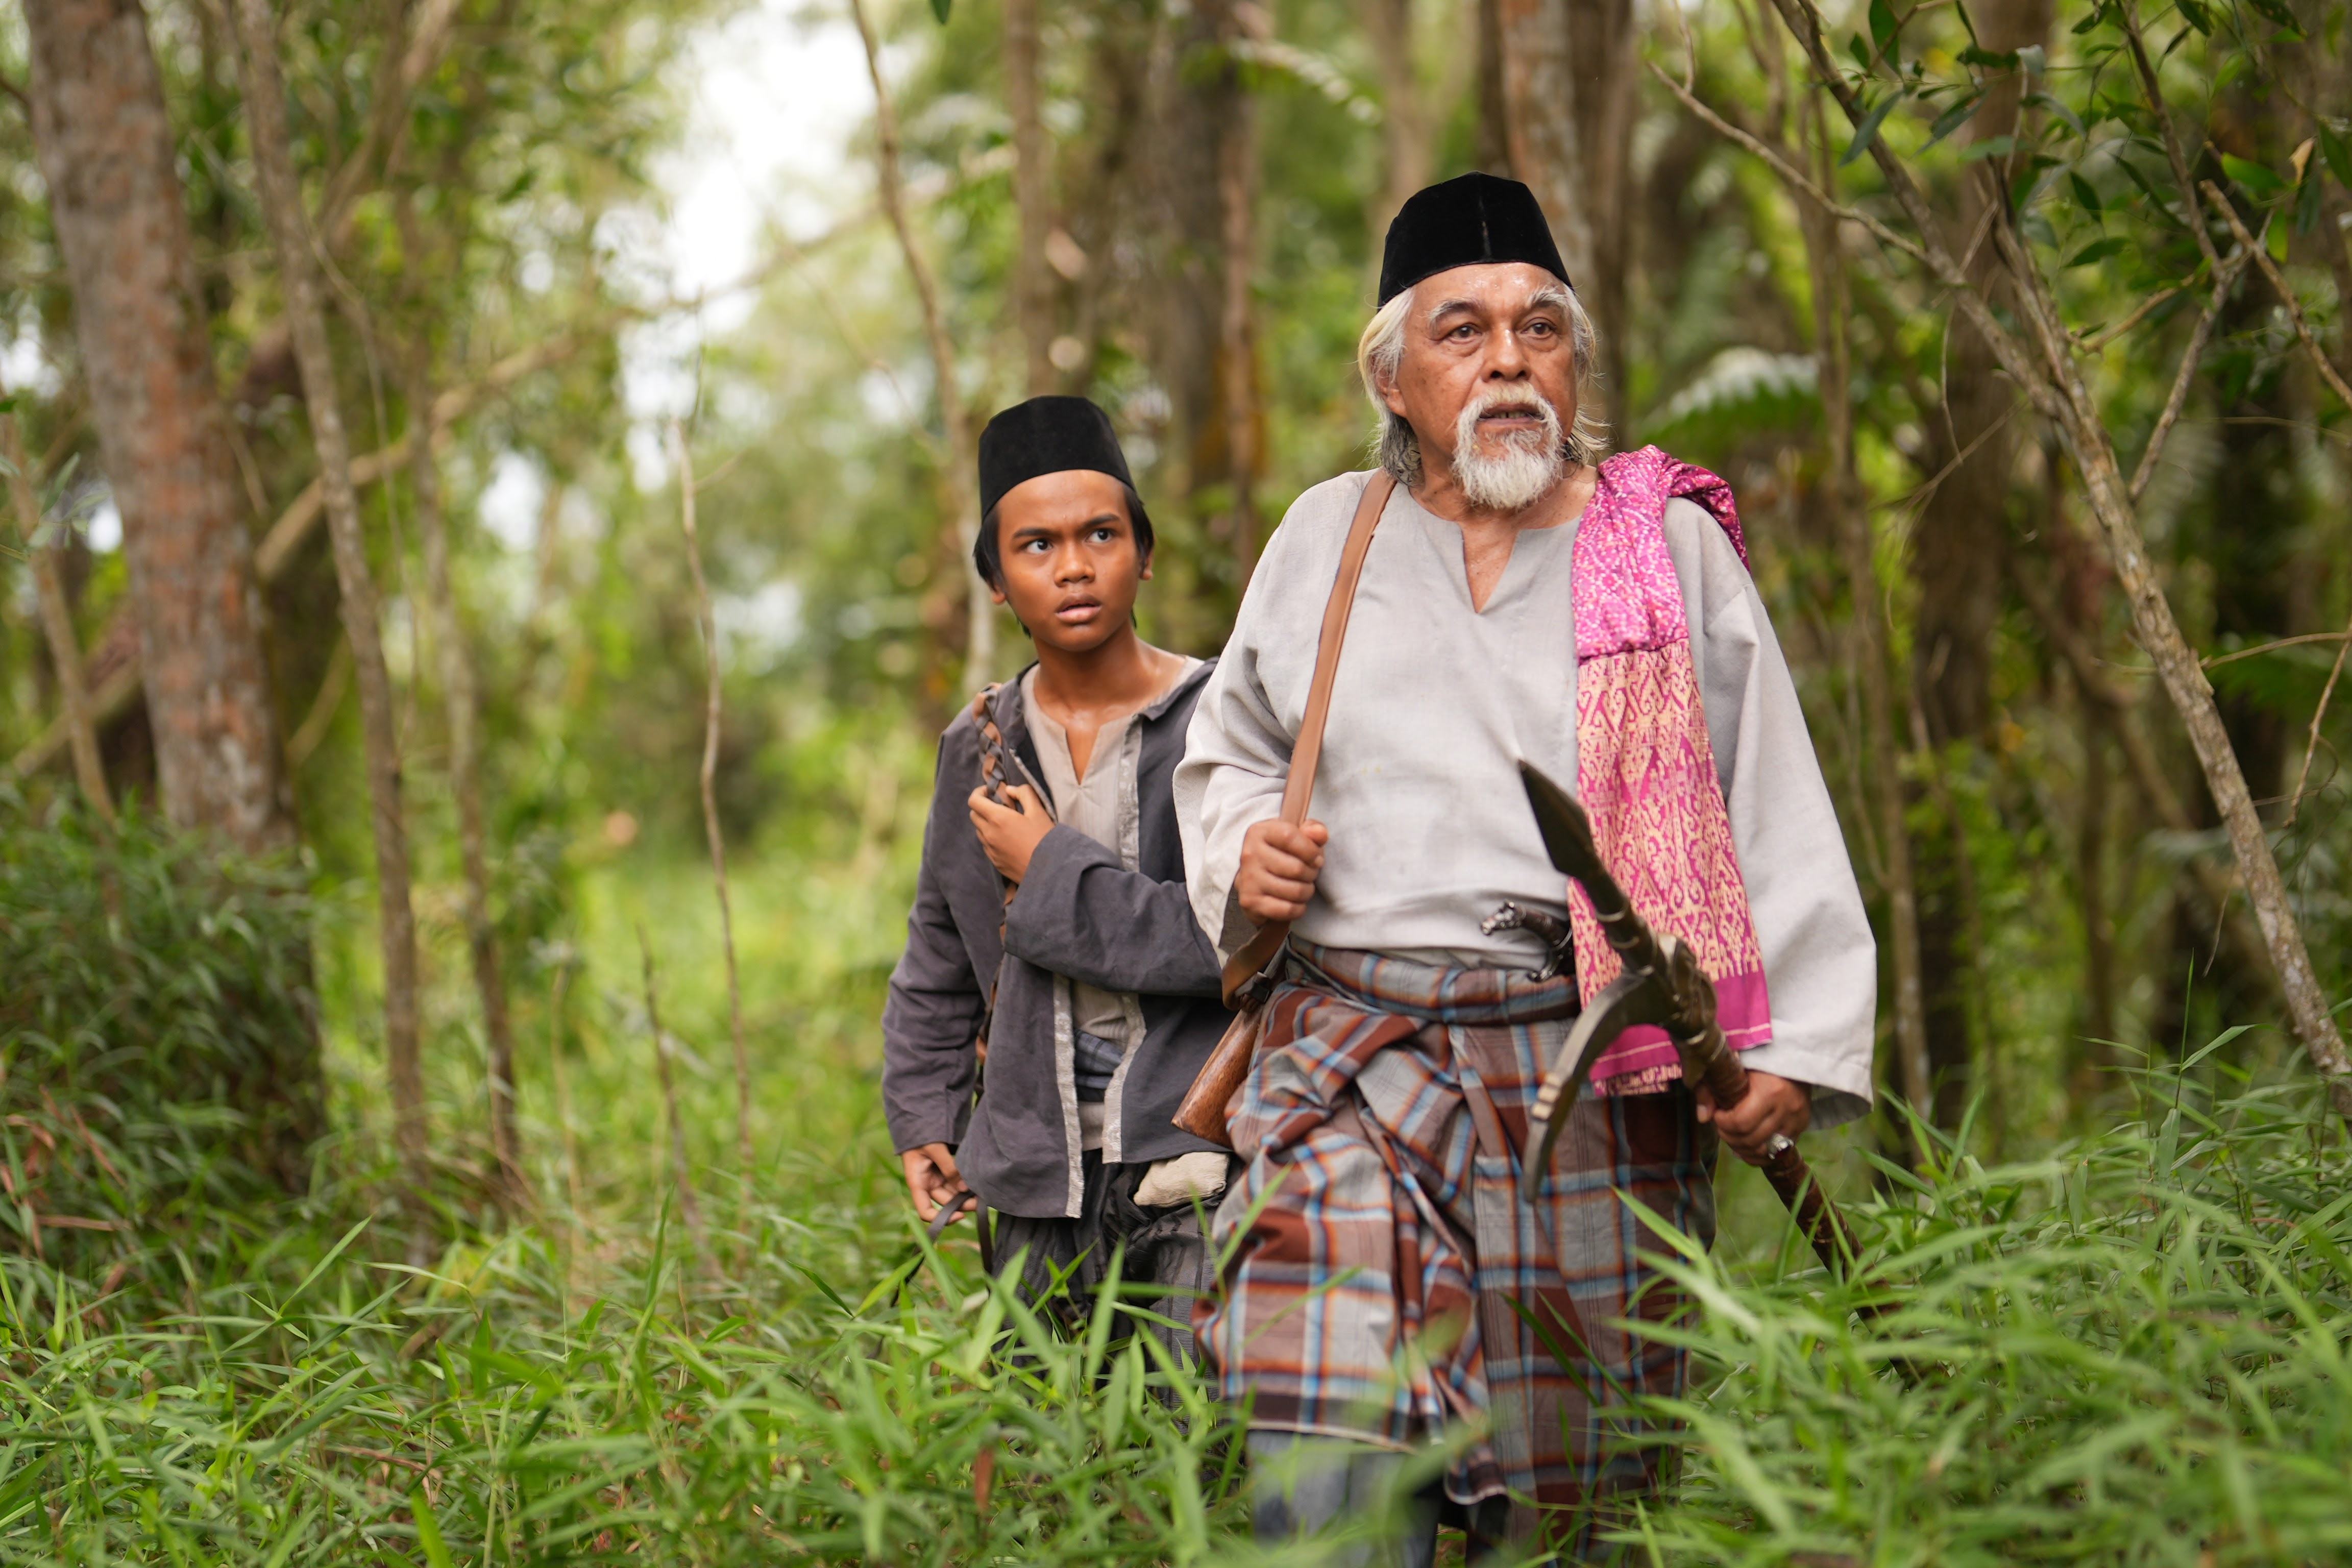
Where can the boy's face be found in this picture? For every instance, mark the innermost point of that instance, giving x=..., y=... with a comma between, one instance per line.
x=1067, y=549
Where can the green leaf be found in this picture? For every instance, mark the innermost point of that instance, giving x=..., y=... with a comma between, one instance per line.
x=1884, y=29
x=2307, y=204
x=2275, y=239
x=1974, y=55
x=2338, y=153
x=2099, y=250
x=1867, y=132
x=2250, y=176
x=1860, y=51
x=428, y=1532
x=2197, y=16
x=2085, y=194
x=2043, y=100
x=940, y=8
x=1952, y=119
x=2273, y=11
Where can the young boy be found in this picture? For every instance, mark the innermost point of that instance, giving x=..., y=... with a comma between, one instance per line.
x=1052, y=935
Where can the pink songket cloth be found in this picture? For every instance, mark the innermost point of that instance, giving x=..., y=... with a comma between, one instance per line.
x=1645, y=773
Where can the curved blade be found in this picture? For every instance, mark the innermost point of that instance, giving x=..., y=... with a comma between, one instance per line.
x=1628, y=1000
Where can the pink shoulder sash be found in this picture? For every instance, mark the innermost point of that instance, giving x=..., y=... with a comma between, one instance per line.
x=1645, y=773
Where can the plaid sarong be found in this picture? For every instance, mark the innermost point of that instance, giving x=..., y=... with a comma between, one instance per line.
x=1383, y=1247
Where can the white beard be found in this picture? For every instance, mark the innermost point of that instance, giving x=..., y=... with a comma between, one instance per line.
x=1528, y=464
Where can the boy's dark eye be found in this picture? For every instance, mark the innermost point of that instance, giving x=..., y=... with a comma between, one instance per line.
x=1105, y=535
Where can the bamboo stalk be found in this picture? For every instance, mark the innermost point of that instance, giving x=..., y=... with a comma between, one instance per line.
x=708, y=624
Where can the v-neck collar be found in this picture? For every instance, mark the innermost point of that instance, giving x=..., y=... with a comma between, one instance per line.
x=1445, y=537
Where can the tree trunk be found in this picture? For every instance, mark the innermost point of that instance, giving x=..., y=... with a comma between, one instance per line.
x=56, y=620
x=1237, y=180
x=1873, y=661
x=2039, y=354
x=1563, y=111
x=712, y=714
x=1405, y=120
x=1032, y=284
x=1956, y=552
x=281, y=202
x=107, y=153
x=461, y=696
x=958, y=485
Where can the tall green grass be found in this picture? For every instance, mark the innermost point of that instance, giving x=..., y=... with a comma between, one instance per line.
x=2132, y=1352
x=2129, y=1351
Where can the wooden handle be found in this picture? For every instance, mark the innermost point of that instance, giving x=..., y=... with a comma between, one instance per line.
x=1203, y=1113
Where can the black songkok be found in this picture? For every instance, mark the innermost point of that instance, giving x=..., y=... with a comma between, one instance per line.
x=1476, y=219
x=1046, y=435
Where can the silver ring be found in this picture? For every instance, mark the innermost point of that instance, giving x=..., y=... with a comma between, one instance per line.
x=1777, y=1144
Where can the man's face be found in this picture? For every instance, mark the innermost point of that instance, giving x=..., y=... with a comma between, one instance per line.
x=1487, y=378
x=1066, y=550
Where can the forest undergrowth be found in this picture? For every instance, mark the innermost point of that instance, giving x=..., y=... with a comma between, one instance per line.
x=2131, y=1349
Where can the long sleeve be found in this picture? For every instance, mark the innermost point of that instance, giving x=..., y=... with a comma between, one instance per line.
x=1820, y=962
x=932, y=1019
x=1081, y=914
x=1237, y=751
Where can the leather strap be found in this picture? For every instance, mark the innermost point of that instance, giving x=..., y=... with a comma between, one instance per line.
x=1307, y=751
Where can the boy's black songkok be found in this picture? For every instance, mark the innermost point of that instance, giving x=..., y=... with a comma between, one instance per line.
x=1046, y=435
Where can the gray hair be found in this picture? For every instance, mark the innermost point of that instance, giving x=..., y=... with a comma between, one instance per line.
x=1382, y=349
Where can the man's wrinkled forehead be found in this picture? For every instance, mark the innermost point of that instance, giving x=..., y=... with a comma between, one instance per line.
x=1489, y=289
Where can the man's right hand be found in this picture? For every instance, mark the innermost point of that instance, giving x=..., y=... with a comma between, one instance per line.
x=1279, y=865
x=931, y=1179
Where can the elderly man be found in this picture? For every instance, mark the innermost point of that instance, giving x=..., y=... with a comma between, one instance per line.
x=1521, y=599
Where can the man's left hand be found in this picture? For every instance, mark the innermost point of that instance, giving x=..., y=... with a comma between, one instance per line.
x=1774, y=1105
x=1010, y=836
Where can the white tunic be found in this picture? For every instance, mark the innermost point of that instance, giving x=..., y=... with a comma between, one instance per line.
x=1435, y=704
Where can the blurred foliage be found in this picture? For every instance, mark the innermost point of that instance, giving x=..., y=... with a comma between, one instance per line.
x=158, y=1055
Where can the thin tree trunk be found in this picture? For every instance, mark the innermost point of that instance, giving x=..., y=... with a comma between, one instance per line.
x=1404, y=120
x=281, y=201
x=1565, y=105
x=711, y=714
x=57, y=622
x=956, y=462
x=1237, y=339
x=2094, y=1052
x=1958, y=544
x=680, y=1172
x=2040, y=356
x=1033, y=283
x=106, y=154
x=1872, y=657
x=461, y=697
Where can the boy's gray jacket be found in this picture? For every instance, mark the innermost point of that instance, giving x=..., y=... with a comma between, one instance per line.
x=1117, y=919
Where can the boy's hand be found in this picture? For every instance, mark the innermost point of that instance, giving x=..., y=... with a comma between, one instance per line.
x=1010, y=836
x=931, y=1179
x=1279, y=865
x=1774, y=1105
